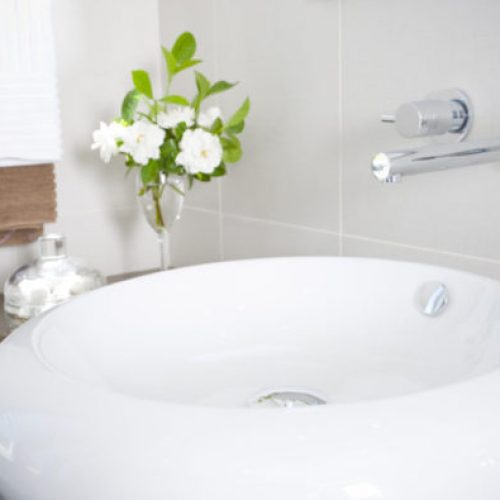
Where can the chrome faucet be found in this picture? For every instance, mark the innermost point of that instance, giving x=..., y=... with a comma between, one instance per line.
x=447, y=114
x=392, y=165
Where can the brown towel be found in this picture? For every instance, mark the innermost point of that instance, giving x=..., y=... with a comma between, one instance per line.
x=27, y=201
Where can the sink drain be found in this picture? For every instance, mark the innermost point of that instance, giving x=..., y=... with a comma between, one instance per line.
x=287, y=398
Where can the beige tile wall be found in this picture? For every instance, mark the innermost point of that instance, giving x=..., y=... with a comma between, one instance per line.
x=282, y=199
x=399, y=50
x=320, y=73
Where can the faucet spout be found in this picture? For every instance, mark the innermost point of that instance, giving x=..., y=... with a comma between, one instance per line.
x=396, y=164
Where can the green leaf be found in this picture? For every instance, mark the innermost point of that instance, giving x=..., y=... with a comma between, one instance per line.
x=170, y=63
x=169, y=148
x=184, y=47
x=129, y=105
x=231, y=147
x=219, y=171
x=202, y=84
x=239, y=116
x=187, y=64
x=202, y=177
x=149, y=172
x=217, y=126
x=129, y=162
x=237, y=129
x=176, y=169
x=175, y=99
x=142, y=82
x=219, y=87
x=179, y=130
x=168, y=165
x=155, y=108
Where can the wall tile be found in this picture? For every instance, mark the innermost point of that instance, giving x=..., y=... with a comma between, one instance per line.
x=12, y=258
x=119, y=241
x=94, y=59
x=308, y=106
x=285, y=56
x=115, y=241
x=356, y=247
x=246, y=238
x=195, y=238
x=396, y=51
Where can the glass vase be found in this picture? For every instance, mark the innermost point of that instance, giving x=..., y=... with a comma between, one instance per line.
x=161, y=203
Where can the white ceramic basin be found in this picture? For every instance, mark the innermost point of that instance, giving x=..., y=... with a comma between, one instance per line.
x=150, y=389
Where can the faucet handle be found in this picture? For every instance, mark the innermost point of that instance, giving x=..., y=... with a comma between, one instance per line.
x=445, y=112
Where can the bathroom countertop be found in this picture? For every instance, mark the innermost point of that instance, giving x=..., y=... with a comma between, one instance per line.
x=111, y=279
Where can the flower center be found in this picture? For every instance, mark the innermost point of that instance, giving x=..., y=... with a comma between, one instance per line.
x=205, y=153
x=140, y=138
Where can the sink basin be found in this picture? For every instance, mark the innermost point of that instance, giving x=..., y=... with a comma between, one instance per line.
x=295, y=378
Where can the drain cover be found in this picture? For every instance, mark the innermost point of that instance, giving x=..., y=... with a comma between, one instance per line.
x=287, y=398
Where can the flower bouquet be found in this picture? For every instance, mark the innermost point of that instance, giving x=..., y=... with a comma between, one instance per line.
x=172, y=141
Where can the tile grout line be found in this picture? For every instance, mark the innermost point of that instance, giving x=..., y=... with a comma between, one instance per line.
x=316, y=230
x=159, y=67
x=215, y=54
x=304, y=228
x=362, y=238
x=279, y=223
x=406, y=246
x=220, y=220
x=340, y=144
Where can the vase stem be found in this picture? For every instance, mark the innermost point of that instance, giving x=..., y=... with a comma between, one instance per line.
x=164, y=247
x=157, y=193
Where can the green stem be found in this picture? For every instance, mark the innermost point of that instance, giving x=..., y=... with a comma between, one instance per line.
x=159, y=221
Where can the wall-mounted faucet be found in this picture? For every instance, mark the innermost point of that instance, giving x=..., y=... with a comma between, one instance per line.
x=441, y=113
x=447, y=114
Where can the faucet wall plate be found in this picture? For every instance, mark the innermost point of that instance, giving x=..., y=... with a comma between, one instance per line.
x=459, y=96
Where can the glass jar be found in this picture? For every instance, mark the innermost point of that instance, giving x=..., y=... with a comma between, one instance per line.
x=49, y=281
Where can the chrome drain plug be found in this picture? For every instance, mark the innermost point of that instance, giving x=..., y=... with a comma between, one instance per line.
x=287, y=398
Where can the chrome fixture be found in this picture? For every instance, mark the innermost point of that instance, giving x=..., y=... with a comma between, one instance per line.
x=447, y=114
x=287, y=398
x=432, y=298
x=392, y=165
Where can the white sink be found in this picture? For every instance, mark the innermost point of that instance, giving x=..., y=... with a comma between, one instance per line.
x=204, y=383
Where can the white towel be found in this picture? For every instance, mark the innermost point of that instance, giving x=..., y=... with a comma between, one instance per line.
x=30, y=129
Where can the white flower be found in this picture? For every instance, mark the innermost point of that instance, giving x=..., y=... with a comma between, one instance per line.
x=200, y=151
x=208, y=118
x=142, y=141
x=105, y=140
x=176, y=115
